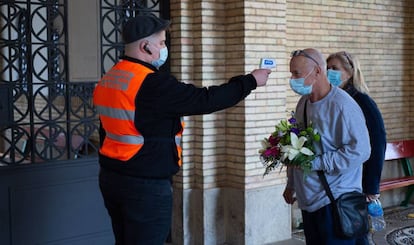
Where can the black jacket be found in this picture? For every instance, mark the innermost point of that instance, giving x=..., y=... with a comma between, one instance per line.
x=371, y=175
x=160, y=103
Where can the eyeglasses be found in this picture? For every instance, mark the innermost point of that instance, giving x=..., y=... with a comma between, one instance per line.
x=301, y=52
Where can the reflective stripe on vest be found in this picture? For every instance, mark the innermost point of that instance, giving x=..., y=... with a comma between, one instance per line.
x=128, y=139
x=178, y=140
x=115, y=113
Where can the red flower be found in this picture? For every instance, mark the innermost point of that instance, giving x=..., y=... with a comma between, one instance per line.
x=273, y=140
x=271, y=152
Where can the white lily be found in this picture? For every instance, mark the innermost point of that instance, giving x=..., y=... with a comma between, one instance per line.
x=296, y=147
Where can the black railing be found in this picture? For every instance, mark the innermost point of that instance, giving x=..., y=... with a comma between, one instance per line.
x=44, y=116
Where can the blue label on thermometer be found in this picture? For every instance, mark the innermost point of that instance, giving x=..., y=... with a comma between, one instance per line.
x=266, y=63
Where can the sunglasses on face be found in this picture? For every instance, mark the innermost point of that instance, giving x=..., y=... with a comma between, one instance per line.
x=301, y=52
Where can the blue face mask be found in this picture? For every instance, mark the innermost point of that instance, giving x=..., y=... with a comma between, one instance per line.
x=334, y=77
x=298, y=85
x=163, y=57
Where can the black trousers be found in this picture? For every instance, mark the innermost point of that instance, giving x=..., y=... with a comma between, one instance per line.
x=318, y=228
x=140, y=209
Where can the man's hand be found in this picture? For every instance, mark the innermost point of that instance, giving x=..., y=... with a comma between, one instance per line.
x=288, y=195
x=261, y=76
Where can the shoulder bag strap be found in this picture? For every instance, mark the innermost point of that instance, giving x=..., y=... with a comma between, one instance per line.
x=322, y=177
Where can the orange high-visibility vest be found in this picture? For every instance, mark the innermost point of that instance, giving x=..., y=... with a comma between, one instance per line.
x=114, y=99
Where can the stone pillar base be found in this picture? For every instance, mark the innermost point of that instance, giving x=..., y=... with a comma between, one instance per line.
x=231, y=216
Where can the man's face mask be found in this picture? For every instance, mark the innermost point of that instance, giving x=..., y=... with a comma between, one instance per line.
x=298, y=85
x=163, y=58
x=334, y=77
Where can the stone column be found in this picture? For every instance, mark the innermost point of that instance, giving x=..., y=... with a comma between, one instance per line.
x=220, y=195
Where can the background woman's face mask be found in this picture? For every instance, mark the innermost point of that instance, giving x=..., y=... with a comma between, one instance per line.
x=334, y=77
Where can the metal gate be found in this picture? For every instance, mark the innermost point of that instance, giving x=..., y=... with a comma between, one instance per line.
x=43, y=116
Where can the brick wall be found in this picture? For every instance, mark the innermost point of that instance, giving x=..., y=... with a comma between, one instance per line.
x=379, y=33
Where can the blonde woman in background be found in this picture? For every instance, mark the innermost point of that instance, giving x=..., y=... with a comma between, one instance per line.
x=344, y=71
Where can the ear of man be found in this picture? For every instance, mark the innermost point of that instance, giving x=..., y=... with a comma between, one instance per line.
x=318, y=70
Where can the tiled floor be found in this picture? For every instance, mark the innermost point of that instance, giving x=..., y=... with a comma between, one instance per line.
x=399, y=229
x=397, y=232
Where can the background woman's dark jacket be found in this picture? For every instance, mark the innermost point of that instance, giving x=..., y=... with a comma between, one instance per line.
x=371, y=175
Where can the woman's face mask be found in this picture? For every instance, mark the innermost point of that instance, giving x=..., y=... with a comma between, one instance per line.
x=298, y=85
x=334, y=77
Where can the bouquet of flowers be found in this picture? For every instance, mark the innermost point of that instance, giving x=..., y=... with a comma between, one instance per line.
x=290, y=145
